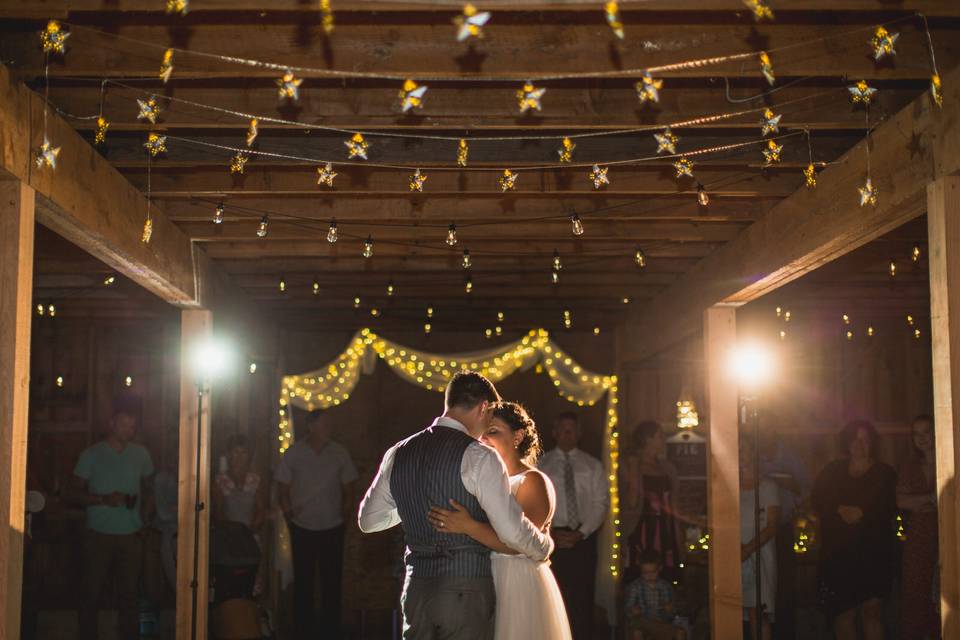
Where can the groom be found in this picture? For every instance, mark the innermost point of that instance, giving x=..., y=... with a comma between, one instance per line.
x=448, y=592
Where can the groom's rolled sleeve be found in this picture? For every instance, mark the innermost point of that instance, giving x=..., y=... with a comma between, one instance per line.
x=378, y=509
x=485, y=477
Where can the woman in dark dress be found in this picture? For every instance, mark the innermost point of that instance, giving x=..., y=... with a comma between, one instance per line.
x=917, y=495
x=855, y=500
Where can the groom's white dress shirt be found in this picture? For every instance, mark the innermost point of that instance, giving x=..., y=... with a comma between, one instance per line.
x=484, y=476
x=589, y=484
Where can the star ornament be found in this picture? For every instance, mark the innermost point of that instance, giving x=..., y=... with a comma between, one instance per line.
x=417, y=180
x=149, y=109
x=766, y=68
x=759, y=9
x=612, y=11
x=868, y=194
x=156, y=144
x=666, y=142
x=238, y=162
x=178, y=6
x=508, y=180
x=684, y=167
x=648, y=88
x=100, y=134
x=936, y=89
x=288, y=86
x=471, y=22
x=53, y=39
x=326, y=174
x=252, y=131
x=46, y=155
x=862, y=92
x=463, y=151
x=566, y=153
x=599, y=176
x=411, y=96
x=883, y=43
x=772, y=153
x=166, y=66
x=529, y=97
x=147, y=230
x=810, y=174
x=357, y=146
x=770, y=123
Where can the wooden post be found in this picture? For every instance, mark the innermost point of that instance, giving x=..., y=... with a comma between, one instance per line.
x=16, y=284
x=723, y=475
x=943, y=223
x=196, y=325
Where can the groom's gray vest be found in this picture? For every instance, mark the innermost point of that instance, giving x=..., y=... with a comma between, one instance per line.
x=426, y=473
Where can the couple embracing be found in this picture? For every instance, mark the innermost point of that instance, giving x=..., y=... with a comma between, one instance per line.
x=475, y=514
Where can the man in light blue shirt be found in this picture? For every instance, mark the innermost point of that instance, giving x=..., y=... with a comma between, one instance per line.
x=109, y=480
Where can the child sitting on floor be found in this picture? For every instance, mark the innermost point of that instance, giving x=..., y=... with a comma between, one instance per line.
x=650, y=605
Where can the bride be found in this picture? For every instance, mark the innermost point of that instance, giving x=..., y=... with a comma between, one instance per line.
x=529, y=604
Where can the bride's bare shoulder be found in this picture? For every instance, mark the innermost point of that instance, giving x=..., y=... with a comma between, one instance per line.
x=535, y=481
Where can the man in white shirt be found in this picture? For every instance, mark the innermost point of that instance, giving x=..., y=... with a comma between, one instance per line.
x=448, y=591
x=582, y=501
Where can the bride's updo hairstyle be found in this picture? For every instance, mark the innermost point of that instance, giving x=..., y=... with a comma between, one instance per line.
x=517, y=418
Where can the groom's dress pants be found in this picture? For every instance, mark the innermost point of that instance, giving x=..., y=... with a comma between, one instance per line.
x=448, y=608
x=575, y=570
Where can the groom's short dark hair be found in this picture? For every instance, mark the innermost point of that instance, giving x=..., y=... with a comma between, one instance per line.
x=467, y=389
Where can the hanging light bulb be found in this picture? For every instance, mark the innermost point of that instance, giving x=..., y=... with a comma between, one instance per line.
x=915, y=254
x=846, y=319
x=557, y=264
x=596, y=331
x=498, y=330
x=368, y=247
x=640, y=258
x=332, y=235
x=909, y=319
x=892, y=268
x=488, y=333
x=466, y=263
x=316, y=287
x=555, y=277
x=427, y=328
x=452, y=234
x=390, y=288
x=218, y=214
x=356, y=302
x=283, y=285
x=51, y=310
x=702, y=196
x=500, y=316
x=576, y=225
x=109, y=280
x=262, y=229
x=468, y=287
x=375, y=312
x=870, y=331
x=429, y=312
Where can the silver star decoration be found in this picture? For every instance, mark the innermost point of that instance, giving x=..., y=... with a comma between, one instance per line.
x=529, y=97
x=666, y=141
x=411, y=96
x=155, y=144
x=648, y=88
x=861, y=92
x=149, y=109
x=868, y=194
x=288, y=86
x=684, y=167
x=326, y=174
x=357, y=146
x=47, y=155
x=770, y=123
x=772, y=153
x=470, y=23
x=599, y=176
x=883, y=43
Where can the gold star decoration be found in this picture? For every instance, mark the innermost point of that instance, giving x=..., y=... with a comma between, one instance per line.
x=770, y=123
x=684, y=167
x=861, y=92
x=101, y=132
x=149, y=109
x=326, y=174
x=252, y=131
x=566, y=154
x=936, y=89
x=156, y=144
x=166, y=65
x=883, y=43
x=612, y=11
x=771, y=154
x=326, y=11
x=178, y=6
x=766, y=68
x=470, y=23
x=508, y=180
x=288, y=86
x=147, y=230
x=54, y=38
x=760, y=9
x=357, y=146
x=648, y=88
x=411, y=96
x=417, y=180
x=599, y=176
x=810, y=174
x=46, y=155
x=529, y=97
x=666, y=141
x=238, y=162
x=463, y=150
x=868, y=194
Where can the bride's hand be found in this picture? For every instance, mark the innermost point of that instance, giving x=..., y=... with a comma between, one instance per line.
x=457, y=520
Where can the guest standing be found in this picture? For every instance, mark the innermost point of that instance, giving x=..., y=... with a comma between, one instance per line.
x=315, y=489
x=760, y=613
x=917, y=495
x=582, y=500
x=110, y=479
x=237, y=493
x=856, y=502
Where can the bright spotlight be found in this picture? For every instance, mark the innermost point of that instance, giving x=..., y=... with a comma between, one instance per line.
x=751, y=365
x=212, y=358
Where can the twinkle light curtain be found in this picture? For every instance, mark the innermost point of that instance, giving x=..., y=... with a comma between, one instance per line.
x=332, y=384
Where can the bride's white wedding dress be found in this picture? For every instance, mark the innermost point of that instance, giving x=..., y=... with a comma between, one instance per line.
x=529, y=604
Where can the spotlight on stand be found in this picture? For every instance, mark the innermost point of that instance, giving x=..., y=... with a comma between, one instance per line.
x=212, y=358
x=751, y=365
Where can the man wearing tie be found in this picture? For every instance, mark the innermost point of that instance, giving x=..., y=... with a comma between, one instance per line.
x=582, y=501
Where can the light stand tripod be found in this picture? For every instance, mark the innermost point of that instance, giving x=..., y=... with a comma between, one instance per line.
x=750, y=416
x=198, y=509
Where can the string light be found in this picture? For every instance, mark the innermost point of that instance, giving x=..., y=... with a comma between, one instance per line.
x=766, y=68
x=429, y=312
x=488, y=333
x=555, y=277
x=529, y=97
x=498, y=330
x=596, y=331
x=916, y=333
x=557, y=264
x=468, y=286
x=109, y=280
x=390, y=288
x=283, y=285
x=648, y=88
x=640, y=258
x=218, y=214
x=53, y=39
x=149, y=109
x=128, y=381
x=599, y=176
x=155, y=144
x=883, y=43
x=59, y=382
x=465, y=262
x=846, y=319
x=316, y=287
x=703, y=199
x=915, y=253
x=576, y=225
x=909, y=320
x=356, y=302
x=262, y=229
x=51, y=310
x=892, y=268
x=368, y=247
x=870, y=331
x=500, y=316
x=427, y=328
x=625, y=300
x=452, y=235
x=567, y=319
x=375, y=312
x=332, y=236
x=252, y=368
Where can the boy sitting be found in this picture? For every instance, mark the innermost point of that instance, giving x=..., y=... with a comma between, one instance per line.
x=650, y=605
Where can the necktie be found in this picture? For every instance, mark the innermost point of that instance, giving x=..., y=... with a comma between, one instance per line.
x=570, y=491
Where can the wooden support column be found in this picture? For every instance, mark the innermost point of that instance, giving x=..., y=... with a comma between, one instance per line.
x=943, y=222
x=16, y=284
x=196, y=325
x=723, y=475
